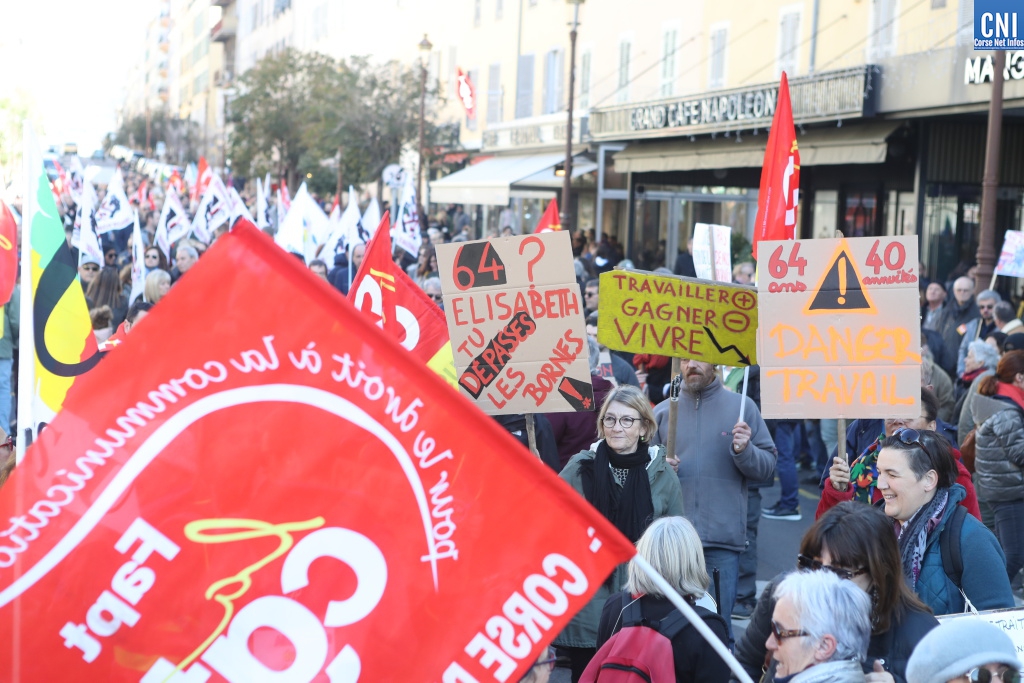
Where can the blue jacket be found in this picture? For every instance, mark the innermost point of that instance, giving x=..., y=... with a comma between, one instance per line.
x=984, y=579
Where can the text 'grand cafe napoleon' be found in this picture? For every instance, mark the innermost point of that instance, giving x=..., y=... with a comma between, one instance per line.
x=891, y=148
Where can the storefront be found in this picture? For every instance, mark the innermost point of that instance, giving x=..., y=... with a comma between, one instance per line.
x=519, y=169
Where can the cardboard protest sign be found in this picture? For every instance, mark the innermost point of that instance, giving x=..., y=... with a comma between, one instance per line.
x=703, y=234
x=1011, y=620
x=839, y=331
x=1011, y=259
x=678, y=316
x=282, y=496
x=515, y=321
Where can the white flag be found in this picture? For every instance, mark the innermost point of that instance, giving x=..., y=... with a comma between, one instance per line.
x=341, y=229
x=238, y=207
x=214, y=210
x=138, y=252
x=116, y=181
x=371, y=218
x=305, y=227
x=173, y=224
x=262, y=217
x=406, y=230
x=84, y=236
x=114, y=212
x=76, y=179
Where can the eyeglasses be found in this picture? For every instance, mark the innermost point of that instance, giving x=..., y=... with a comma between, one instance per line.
x=983, y=675
x=781, y=634
x=93, y=268
x=152, y=256
x=625, y=421
x=436, y=297
x=9, y=443
x=811, y=564
x=549, y=663
x=589, y=293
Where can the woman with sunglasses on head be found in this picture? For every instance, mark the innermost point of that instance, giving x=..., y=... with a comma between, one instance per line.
x=854, y=542
x=917, y=478
x=999, y=454
x=632, y=484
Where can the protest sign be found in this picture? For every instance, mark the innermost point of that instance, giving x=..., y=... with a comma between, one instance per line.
x=1011, y=259
x=678, y=317
x=839, y=331
x=722, y=256
x=295, y=498
x=1011, y=620
x=515, y=320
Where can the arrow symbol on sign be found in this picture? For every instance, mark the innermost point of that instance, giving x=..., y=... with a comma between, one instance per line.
x=722, y=349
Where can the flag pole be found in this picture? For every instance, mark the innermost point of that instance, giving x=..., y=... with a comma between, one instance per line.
x=743, y=395
x=677, y=600
x=26, y=332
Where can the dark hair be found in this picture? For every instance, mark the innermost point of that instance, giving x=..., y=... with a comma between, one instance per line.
x=106, y=288
x=932, y=453
x=860, y=536
x=139, y=306
x=161, y=258
x=929, y=403
x=317, y=262
x=423, y=269
x=1010, y=365
x=592, y=283
x=999, y=337
x=1004, y=311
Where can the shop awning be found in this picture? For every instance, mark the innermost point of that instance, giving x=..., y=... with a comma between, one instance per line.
x=581, y=165
x=490, y=181
x=850, y=144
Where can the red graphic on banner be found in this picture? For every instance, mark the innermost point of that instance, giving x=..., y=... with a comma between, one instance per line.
x=780, y=176
x=294, y=498
x=8, y=252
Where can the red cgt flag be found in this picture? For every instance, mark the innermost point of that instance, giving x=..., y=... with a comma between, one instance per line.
x=780, y=176
x=8, y=253
x=295, y=498
x=550, y=221
x=396, y=304
x=203, y=178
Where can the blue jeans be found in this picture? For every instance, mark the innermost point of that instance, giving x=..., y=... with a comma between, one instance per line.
x=818, y=452
x=787, y=441
x=746, y=584
x=728, y=564
x=5, y=394
x=1010, y=532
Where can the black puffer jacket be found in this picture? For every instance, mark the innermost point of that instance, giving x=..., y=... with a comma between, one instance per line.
x=999, y=451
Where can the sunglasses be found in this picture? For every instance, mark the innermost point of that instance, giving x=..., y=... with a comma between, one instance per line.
x=811, y=564
x=987, y=307
x=92, y=268
x=983, y=675
x=781, y=634
x=909, y=437
x=436, y=297
x=153, y=256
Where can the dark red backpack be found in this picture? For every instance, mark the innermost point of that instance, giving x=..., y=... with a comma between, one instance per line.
x=640, y=652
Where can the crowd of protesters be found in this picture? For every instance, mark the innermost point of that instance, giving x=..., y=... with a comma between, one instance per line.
x=920, y=517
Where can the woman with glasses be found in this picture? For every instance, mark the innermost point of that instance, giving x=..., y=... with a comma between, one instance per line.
x=541, y=671
x=917, y=479
x=854, y=542
x=154, y=259
x=632, y=484
x=965, y=650
x=671, y=545
x=999, y=454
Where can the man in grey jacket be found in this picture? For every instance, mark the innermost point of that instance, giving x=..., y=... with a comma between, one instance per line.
x=719, y=455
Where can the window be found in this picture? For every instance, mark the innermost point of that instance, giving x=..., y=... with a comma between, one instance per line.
x=585, y=80
x=255, y=17
x=553, y=80
x=965, y=23
x=716, y=77
x=453, y=73
x=198, y=25
x=622, y=94
x=476, y=12
x=494, y=94
x=668, y=61
x=497, y=10
x=883, y=28
x=789, y=38
x=524, y=87
x=938, y=4
x=474, y=78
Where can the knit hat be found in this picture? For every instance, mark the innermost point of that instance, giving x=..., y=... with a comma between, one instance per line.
x=956, y=646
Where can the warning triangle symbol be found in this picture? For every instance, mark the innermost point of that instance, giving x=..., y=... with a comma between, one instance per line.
x=839, y=290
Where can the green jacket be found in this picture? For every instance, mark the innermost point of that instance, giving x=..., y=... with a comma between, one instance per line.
x=12, y=311
x=667, y=496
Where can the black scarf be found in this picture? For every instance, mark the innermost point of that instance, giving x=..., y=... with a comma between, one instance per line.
x=630, y=508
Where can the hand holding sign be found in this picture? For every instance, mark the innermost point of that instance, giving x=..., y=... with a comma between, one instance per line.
x=839, y=473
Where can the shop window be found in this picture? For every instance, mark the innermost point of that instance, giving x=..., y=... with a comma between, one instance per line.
x=524, y=87
x=860, y=214
x=494, y=94
x=612, y=180
x=826, y=205
x=789, y=41
x=716, y=76
x=585, y=80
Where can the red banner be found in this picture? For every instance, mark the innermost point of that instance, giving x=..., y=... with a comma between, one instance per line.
x=259, y=485
x=396, y=304
x=780, y=176
x=8, y=253
x=550, y=221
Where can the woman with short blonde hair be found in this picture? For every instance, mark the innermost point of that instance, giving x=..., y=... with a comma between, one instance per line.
x=157, y=283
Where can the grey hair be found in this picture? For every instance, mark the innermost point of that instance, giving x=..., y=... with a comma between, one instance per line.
x=673, y=548
x=1004, y=312
x=431, y=281
x=927, y=370
x=594, y=349
x=988, y=295
x=827, y=605
x=188, y=249
x=984, y=353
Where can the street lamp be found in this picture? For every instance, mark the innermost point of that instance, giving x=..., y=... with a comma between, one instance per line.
x=425, y=48
x=567, y=178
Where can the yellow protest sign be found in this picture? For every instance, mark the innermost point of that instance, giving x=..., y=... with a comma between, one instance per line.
x=678, y=317
x=840, y=328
